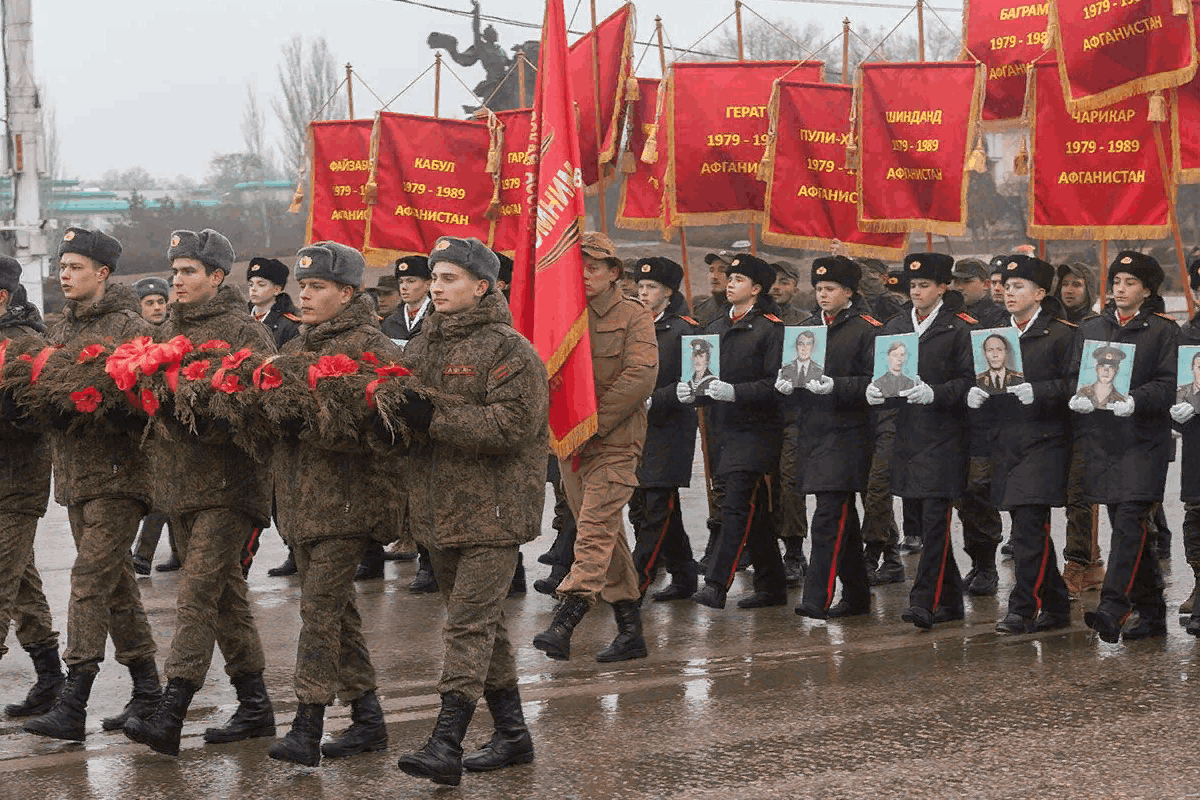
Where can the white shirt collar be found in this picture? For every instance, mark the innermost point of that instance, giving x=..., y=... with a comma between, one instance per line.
x=1029, y=325
x=412, y=323
x=921, y=327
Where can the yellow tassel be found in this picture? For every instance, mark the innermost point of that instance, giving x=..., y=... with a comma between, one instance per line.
x=297, y=198
x=627, y=163
x=852, y=155
x=1180, y=7
x=1158, y=108
x=372, y=192
x=1021, y=162
x=978, y=160
x=495, y=144
x=766, y=166
x=632, y=93
x=650, y=151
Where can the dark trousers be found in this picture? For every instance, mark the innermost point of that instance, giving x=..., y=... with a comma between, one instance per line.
x=1133, y=580
x=938, y=582
x=1191, y=533
x=659, y=537
x=746, y=525
x=152, y=528
x=911, y=510
x=1039, y=585
x=562, y=551
x=1079, y=511
x=879, y=518
x=837, y=552
x=791, y=511
x=982, y=528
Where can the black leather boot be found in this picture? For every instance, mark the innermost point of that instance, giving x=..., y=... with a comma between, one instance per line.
x=371, y=566
x=629, y=643
x=302, y=745
x=440, y=760
x=549, y=585
x=555, y=641
x=68, y=716
x=170, y=565
x=424, y=582
x=682, y=586
x=891, y=570
x=254, y=717
x=511, y=744
x=518, y=585
x=48, y=687
x=147, y=691
x=288, y=567
x=982, y=580
x=366, y=734
x=161, y=728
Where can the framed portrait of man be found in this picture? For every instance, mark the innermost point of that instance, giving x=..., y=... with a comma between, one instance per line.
x=1188, y=376
x=803, y=353
x=701, y=361
x=895, y=363
x=997, y=354
x=1104, y=372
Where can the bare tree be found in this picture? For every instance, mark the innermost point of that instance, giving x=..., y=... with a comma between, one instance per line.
x=308, y=80
x=941, y=44
x=51, y=143
x=778, y=40
x=254, y=135
x=132, y=178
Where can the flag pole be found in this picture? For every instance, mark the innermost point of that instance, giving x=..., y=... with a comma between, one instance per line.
x=1168, y=185
x=599, y=128
x=350, y=88
x=521, y=74
x=437, y=83
x=737, y=11
x=845, y=50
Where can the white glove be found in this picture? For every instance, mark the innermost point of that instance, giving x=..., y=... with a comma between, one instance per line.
x=1182, y=412
x=976, y=397
x=874, y=395
x=649, y=402
x=1081, y=405
x=1123, y=408
x=1023, y=392
x=919, y=395
x=685, y=393
x=783, y=385
x=722, y=391
x=822, y=385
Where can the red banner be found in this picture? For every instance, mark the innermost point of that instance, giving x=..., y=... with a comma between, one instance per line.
x=547, y=299
x=432, y=181
x=616, y=64
x=1006, y=35
x=505, y=212
x=1095, y=174
x=718, y=131
x=1185, y=130
x=641, y=207
x=1109, y=50
x=341, y=163
x=812, y=197
x=917, y=126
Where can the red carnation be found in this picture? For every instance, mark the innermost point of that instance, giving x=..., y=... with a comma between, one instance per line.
x=196, y=371
x=149, y=402
x=229, y=385
x=215, y=344
x=267, y=377
x=395, y=371
x=90, y=352
x=331, y=367
x=234, y=360
x=370, y=357
x=87, y=400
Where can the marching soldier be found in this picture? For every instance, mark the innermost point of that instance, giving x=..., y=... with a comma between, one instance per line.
x=996, y=278
x=102, y=477
x=154, y=294
x=972, y=281
x=270, y=304
x=387, y=295
x=219, y=499
x=1183, y=413
x=706, y=309
x=477, y=485
x=667, y=456
x=24, y=493
x=1126, y=452
x=1077, y=291
x=929, y=462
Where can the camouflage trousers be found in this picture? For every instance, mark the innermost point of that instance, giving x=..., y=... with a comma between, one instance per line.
x=105, y=600
x=879, y=516
x=473, y=582
x=332, y=660
x=1079, y=512
x=983, y=529
x=597, y=492
x=212, y=607
x=21, y=598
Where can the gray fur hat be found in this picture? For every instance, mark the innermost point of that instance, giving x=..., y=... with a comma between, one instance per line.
x=331, y=261
x=208, y=247
x=470, y=254
x=100, y=247
x=152, y=285
x=10, y=274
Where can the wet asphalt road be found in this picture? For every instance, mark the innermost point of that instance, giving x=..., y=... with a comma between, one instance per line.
x=733, y=704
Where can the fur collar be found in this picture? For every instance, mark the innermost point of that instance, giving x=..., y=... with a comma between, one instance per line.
x=492, y=310
x=360, y=313
x=116, y=297
x=227, y=300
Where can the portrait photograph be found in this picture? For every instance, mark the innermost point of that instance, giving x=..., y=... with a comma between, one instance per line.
x=895, y=363
x=1188, y=376
x=803, y=353
x=701, y=361
x=1104, y=372
x=997, y=354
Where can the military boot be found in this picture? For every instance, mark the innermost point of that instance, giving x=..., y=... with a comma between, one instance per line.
x=518, y=586
x=795, y=565
x=254, y=717
x=48, y=687
x=440, y=760
x=68, y=716
x=147, y=691
x=302, y=745
x=891, y=570
x=511, y=744
x=170, y=565
x=160, y=729
x=549, y=585
x=682, y=586
x=1185, y=608
x=872, y=552
x=371, y=566
x=629, y=643
x=555, y=641
x=714, y=533
x=982, y=580
x=366, y=733
x=288, y=567
x=424, y=581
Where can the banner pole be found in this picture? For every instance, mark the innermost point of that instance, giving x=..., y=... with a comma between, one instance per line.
x=521, y=75
x=1103, y=273
x=737, y=12
x=920, y=30
x=846, y=50
x=350, y=87
x=599, y=129
x=437, y=83
x=1168, y=185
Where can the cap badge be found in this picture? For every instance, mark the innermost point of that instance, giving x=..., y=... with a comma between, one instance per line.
x=646, y=268
x=442, y=244
x=915, y=265
x=821, y=270
x=1126, y=260
x=68, y=236
x=735, y=262
x=175, y=241
x=402, y=267
x=1012, y=265
x=306, y=261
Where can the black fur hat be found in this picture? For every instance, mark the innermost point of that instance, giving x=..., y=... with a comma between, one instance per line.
x=656, y=268
x=838, y=269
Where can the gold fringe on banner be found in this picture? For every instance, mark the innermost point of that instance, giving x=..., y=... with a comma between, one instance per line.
x=627, y=162
x=650, y=151
x=1158, y=108
x=767, y=165
x=977, y=159
x=1021, y=162
x=817, y=243
x=623, y=76
x=495, y=160
x=312, y=176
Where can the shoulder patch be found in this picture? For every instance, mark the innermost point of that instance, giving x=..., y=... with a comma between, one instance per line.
x=1165, y=316
x=773, y=318
x=965, y=317
x=1064, y=322
x=292, y=317
x=872, y=320
x=689, y=320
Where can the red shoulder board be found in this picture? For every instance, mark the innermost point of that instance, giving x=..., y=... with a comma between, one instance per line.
x=965, y=317
x=1068, y=324
x=689, y=321
x=291, y=316
x=872, y=320
x=1166, y=316
x=773, y=318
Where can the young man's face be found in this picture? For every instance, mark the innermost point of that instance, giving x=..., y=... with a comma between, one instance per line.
x=925, y=293
x=154, y=308
x=995, y=352
x=996, y=284
x=740, y=290
x=897, y=359
x=454, y=289
x=262, y=292
x=413, y=290
x=388, y=300
x=321, y=300
x=654, y=296
x=1073, y=292
x=804, y=348
x=973, y=289
x=1105, y=373
x=1196, y=371
x=1021, y=297
x=80, y=277
x=699, y=362
x=1128, y=292
x=191, y=283
x=598, y=276
x=717, y=279
x=784, y=289
x=832, y=296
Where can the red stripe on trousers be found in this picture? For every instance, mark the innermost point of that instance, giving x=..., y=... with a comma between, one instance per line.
x=1037, y=586
x=837, y=548
x=1137, y=563
x=249, y=549
x=658, y=545
x=937, y=593
x=745, y=536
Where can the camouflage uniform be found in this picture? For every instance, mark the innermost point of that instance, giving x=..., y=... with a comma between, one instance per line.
x=217, y=497
x=103, y=478
x=329, y=505
x=477, y=483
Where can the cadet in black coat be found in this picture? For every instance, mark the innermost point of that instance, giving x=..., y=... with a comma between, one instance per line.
x=834, y=430
x=929, y=462
x=1128, y=446
x=412, y=279
x=746, y=421
x=1187, y=423
x=670, y=446
x=266, y=279
x=1028, y=434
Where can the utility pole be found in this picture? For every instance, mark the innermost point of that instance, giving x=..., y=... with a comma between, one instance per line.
x=26, y=154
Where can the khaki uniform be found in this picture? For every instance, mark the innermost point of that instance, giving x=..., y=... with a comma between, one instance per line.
x=601, y=478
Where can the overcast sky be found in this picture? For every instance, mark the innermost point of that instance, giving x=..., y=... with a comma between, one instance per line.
x=161, y=84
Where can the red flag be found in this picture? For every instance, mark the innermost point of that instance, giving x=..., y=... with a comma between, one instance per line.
x=615, y=39
x=548, y=302
x=1006, y=37
x=641, y=207
x=341, y=162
